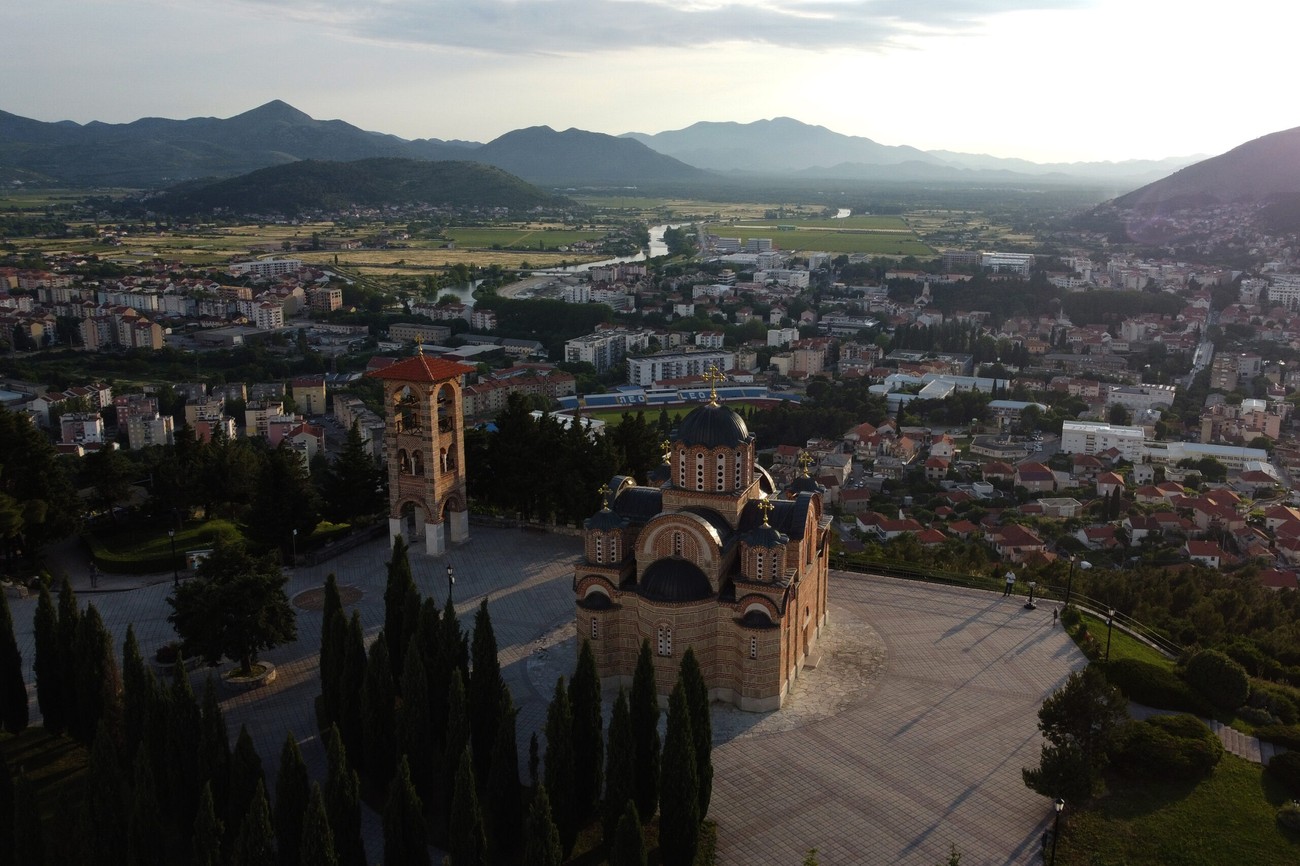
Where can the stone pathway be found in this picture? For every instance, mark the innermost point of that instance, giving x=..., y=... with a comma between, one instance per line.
x=1242, y=745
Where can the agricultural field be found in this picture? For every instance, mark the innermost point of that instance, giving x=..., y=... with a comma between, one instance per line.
x=521, y=238
x=412, y=262
x=869, y=235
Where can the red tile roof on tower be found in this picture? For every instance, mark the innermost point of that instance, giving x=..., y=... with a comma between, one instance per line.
x=422, y=368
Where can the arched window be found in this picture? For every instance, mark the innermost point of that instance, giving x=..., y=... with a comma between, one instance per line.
x=753, y=646
x=776, y=566
x=699, y=471
x=681, y=468
x=595, y=630
x=665, y=641
x=758, y=564
x=722, y=469
x=677, y=544
x=417, y=463
x=600, y=548
x=403, y=467
x=739, y=462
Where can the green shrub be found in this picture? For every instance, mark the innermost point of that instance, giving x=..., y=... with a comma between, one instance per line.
x=1281, y=735
x=1286, y=769
x=1166, y=747
x=1070, y=616
x=1256, y=716
x=1218, y=678
x=1289, y=815
x=1154, y=686
x=1278, y=700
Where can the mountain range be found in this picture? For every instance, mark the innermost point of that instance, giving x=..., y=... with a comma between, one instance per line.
x=158, y=152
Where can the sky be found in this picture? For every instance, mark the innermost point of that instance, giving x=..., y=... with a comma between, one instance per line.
x=1045, y=80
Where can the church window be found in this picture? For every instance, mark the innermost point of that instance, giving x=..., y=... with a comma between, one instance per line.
x=699, y=471
x=613, y=549
x=677, y=544
x=776, y=565
x=758, y=564
x=681, y=468
x=722, y=469
x=595, y=631
x=665, y=641
x=600, y=548
x=753, y=646
x=739, y=463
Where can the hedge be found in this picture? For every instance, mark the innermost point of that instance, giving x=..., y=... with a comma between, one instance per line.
x=1150, y=684
x=1220, y=679
x=1280, y=735
x=1166, y=747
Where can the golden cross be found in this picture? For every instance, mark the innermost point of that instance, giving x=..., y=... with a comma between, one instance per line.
x=713, y=376
x=667, y=446
x=805, y=460
x=766, y=507
x=604, y=492
x=419, y=344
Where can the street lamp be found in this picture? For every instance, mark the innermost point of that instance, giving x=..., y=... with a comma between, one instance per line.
x=1029, y=605
x=1110, y=621
x=451, y=581
x=1069, y=581
x=176, y=574
x=294, y=541
x=1059, y=805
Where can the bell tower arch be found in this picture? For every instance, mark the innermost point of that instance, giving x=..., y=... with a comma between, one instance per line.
x=424, y=451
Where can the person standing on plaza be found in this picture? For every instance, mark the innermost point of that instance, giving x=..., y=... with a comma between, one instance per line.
x=1011, y=584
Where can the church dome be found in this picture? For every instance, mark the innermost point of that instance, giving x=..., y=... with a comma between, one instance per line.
x=804, y=484
x=674, y=580
x=605, y=520
x=713, y=426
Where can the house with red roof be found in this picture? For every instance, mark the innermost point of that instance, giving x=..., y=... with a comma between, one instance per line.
x=1108, y=483
x=930, y=537
x=1277, y=578
x=1035, y=477
x=1207, y=553
x=936, y=468
x=1014, y=543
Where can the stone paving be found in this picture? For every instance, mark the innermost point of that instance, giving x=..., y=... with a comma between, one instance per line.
x=909, y=734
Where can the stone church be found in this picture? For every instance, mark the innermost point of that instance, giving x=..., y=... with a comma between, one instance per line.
x=708, y=555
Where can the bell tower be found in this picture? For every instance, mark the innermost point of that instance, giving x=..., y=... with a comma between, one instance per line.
x=424, y=449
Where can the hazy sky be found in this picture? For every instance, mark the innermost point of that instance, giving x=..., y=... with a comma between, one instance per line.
x=1048, y=80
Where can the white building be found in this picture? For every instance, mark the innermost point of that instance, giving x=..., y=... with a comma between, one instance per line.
x=649, y=369
x=267, y=267
x=1285, y=290
x=1087, y=437
x=1008, y=263
x=1140, y=398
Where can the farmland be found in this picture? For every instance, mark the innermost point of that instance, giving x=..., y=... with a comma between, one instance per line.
x=871, y=235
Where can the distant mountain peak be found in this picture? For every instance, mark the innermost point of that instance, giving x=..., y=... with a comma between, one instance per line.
x=276, y=109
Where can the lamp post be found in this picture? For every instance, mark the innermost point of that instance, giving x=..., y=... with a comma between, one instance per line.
x=294, y=541
x=1059, y=805
x=1029, y=605
x=176, y=574
x=1110, y=621
x=451, y=581
x=1069, y=581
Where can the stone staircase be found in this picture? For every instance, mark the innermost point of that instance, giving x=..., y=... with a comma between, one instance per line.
x=1234, y=741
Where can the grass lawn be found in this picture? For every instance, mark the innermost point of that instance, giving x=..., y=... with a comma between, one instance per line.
x=1123, y=645
x=834, y=236
x=1227, y=819
x=55, y=766
x=613, y=416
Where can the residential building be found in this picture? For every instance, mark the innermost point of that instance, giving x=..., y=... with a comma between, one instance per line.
x=1088, y=437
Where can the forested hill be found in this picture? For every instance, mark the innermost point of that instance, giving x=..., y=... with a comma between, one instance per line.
x=311, y=185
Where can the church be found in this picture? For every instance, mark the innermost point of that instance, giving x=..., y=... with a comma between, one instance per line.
x=707, y=555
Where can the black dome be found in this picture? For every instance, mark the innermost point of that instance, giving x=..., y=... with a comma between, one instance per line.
x=713, y=426
x=804, y=484
x=605, y=519
x=674, y=580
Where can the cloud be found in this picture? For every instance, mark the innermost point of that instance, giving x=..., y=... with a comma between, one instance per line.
x=540, y=27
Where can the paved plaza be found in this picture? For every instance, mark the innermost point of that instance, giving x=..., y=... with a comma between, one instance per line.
x=907, y=736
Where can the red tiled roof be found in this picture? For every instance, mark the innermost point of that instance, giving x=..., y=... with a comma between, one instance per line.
x=422, y=368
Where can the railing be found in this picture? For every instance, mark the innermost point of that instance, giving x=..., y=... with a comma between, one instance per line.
x=909, y=571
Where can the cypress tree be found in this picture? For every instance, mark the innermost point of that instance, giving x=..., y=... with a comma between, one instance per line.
x=679, y=802
x=410, y=625
x=413, y=723
x=437, y=670
x=534, y=760
x=644, y=709
x=620, y=771
x=138, y=693
x=246, y=779
x=484, y=690
x=316, y=847
x=541, y=837
x=468, y=842
x=6, y=810
x=255, y=844
x=559, y=775
x=628, y=848
x=404, y=831
x=504, y=813
x=69, y=621
x=354, y=677
x=208, y=830
x=28, y=841
x=333, y=642
x=457, y=736
x=98, y=685
x=455, y=641
x=378, y=717
x=46, y=665
x=588, y=733
x=105, y=802
x=343, y=802
x=399, y=583
x=697, y=703
x=184, y=730
x=214, y=749
x=292, y=788
x=13, y=691
x=144, y=829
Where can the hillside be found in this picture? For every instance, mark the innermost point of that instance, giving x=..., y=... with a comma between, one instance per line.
x=541, y=155
x=309, y=185
x=1256, y=171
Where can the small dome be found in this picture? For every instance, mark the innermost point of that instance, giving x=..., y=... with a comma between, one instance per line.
x=713, y=426
x=803, y=484
x=674, y=580
x=605, y=519
x=765, y=536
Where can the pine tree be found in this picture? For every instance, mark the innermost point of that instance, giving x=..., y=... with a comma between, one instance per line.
x=13, y=691
x=467, y=840
x=28, y=840
x=46, y=665
x=105, y=802
x=378, y=717
x=144, y=829
x=541, y=837
x=559, y=775
x=485, y=685
x=98, y=685
x=333, y=642
x=400, y=581
x=69, y=623
x=138, y=693
x=628, y=848
x=208, y=830
x=354, y=677
x=679, y=809
x=457, y=737
x=246, y=778
x=343, y=802
x=620, y=771
x=644, y=709
x=697, y=702
x=292, y=788
x=214, y=749
x=413, y=722
x=255, y=844
x=404, y=831
x=316, y=848
x=588, y=733
x=504, y=807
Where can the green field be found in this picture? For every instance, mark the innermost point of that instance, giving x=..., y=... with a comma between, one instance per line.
x=866, y=222
x=519, y=238
x=869, y=235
